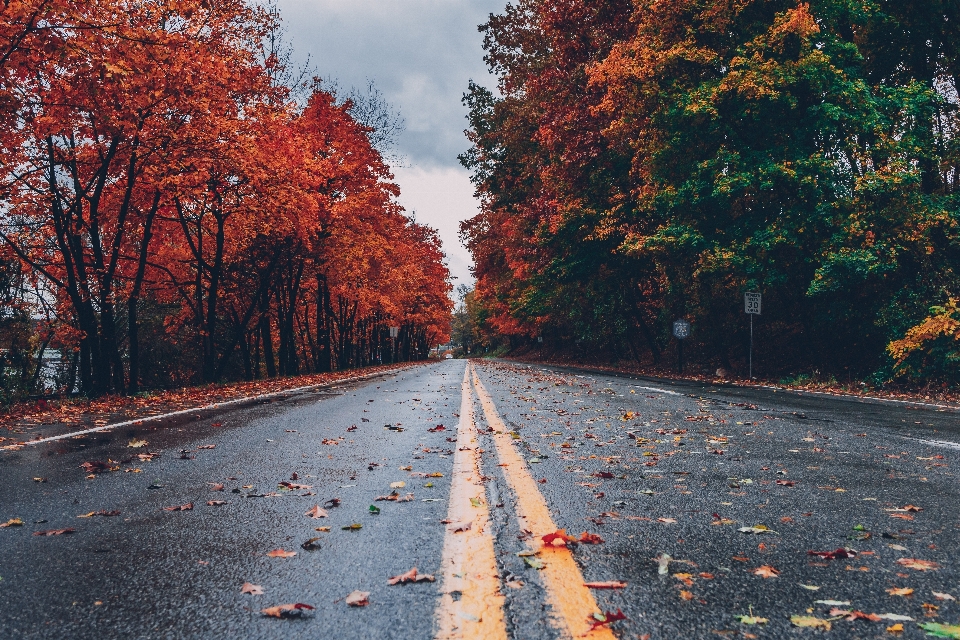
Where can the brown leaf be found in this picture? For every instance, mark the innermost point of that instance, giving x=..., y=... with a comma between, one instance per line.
x=410, y=576
x=216, y=503
x=285, y=610
x=900, y=591
x=590, y=538
x=55, y=532
x=316, y=512
x=610, y=584
x=358, y=599
x=765, y=571
x=207, y=446
x=216, y=486
x=280, y=553
x=12, y=522
x=918, y=565
x=181, y=507
x=102, y=512
x=293, y=486
x=252, y=589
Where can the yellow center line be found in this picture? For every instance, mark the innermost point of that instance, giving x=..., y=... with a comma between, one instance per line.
x=468, y=565
x=572, y=602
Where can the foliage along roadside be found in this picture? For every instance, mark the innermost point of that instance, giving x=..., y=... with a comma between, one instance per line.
x=646, y=161
x=177, y=210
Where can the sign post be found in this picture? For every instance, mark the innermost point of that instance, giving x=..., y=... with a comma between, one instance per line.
x=751, y=306
x=681, y=331
x=394, y=332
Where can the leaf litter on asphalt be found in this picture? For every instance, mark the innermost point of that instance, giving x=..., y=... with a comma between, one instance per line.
x=286, y=610
x=410, y=576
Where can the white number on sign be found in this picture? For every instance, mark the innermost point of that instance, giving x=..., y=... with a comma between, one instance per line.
x=751, y=303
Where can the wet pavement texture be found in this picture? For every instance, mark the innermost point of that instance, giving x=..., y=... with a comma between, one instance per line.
x=652, y=467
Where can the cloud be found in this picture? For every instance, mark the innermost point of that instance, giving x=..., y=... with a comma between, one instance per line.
x=420, y=55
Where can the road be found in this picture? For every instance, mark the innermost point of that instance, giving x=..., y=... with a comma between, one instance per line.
x=705, y=501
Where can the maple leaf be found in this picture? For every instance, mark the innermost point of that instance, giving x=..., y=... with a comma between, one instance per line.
x=55, y=532
x=918, y=565
x=590, y=538
x=410, y=576
x=358, y=598
x=810, y=621
x=180, y=507
x=558, y=538
x=601, y=619
x=316, y=512
x=765, y=571
x=286, y=610
x=280, y=553
x=252, y=589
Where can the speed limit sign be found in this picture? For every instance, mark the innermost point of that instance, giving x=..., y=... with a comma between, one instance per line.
x=751, y=303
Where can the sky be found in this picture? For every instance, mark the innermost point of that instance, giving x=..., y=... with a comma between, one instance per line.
x=420, y=54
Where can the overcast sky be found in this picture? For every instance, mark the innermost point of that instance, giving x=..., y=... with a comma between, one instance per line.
x=420, y=54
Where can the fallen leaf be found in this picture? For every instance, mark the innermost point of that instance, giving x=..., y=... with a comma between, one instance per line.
x=786, y=483
x=558, y=538
x=398, y=485
x=918, y=565
x=942, y=596
x=280, y=553
x=685, y=578
x=180, y=507
x=410, y=576
x=757, y=529
x=752, y=619
x=252, y=589
x=895, y=628
x=216, y=503
x=293, y=486
x=810, y=587
x=316, y=512
x=600, y=619
x=216, y=486
x=533, y=563
x=285, y=610
x=12, y=522
x=358, y=599
x=207, y=446
x=833, y=555
x=941, y=630
x=55, y=532
x=610, y=584
x=900, y=591
x=590, y=538
x=834, y=603
x=667, y=520
x=374, y=510
x=356, y=526
x=136, y=444
x=810, y=621
x=312, y=544
x=766, y=571
x=464, y=525
x=102, y=512
x=685, y=595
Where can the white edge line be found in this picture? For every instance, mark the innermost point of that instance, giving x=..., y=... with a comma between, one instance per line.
x=934, y=443
x=207, y=407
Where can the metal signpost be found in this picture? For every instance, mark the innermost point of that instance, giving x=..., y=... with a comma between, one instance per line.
x=394, y=332
x=681, y=331
x=751, y=306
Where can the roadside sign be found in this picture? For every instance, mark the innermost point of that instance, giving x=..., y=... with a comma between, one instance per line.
x=681, y=329
x=751, y=303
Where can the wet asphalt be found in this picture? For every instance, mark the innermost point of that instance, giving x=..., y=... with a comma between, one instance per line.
x=689, y=469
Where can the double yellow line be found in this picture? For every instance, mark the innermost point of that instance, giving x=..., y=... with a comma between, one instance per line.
x=471, y=605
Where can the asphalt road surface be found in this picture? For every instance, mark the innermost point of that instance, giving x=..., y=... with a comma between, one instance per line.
x=696, y=509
